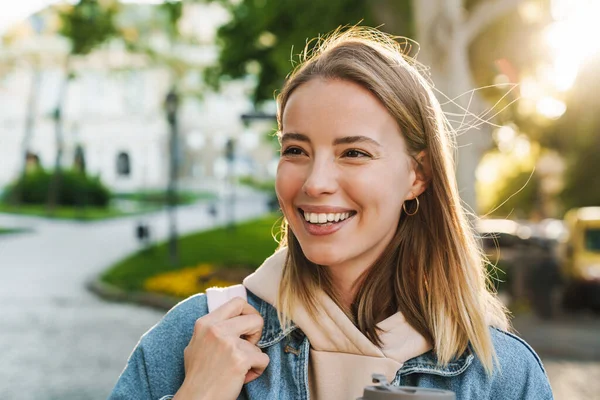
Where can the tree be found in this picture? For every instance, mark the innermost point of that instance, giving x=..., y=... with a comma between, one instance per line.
x=445, y=30
x=576, y=136
x=165, y=19
x=86, y=25
x=11, y=62
x=263, y=37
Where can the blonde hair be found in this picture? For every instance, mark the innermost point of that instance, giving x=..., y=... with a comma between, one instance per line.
x=433, y=270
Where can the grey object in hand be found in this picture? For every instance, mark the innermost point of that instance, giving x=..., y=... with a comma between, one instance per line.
x=385, y=391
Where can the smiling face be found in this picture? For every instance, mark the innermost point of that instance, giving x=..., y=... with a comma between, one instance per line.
x=343, y=175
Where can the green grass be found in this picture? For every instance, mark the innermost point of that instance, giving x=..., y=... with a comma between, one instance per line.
x=148, y=201
x=87, y=214
x=160, y=196
x=246, y=246
x=267, y=186
x=6, y=231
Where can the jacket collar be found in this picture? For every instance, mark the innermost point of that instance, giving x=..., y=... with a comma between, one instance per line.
x=272, y=331
x=426, y=363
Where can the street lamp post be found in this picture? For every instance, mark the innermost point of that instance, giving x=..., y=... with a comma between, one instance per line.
x=171, y=107
x=247, y=119
x=230, y=156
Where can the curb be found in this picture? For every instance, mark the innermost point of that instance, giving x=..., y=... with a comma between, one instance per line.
x=115, y=294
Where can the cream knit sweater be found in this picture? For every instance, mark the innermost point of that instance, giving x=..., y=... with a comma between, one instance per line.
x=341, y=359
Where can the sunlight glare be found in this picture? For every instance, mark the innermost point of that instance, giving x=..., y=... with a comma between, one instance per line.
x=522, y=147
x=505, y=138
x=487, y=172
x=550, y=107
x=572, y=39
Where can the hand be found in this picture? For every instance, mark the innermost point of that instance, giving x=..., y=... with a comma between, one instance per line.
x=222, y=354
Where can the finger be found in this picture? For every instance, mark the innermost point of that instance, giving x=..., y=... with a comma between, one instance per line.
x=257, y=360
x=261, y=362
x=248, y=327
x=233, y=308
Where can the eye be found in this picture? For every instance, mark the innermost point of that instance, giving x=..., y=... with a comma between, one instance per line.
x=292, y=151
x=353, y=153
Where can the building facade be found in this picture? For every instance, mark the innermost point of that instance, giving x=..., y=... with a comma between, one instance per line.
x=113, y=113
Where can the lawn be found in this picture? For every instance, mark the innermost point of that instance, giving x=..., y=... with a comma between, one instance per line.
x=6, y=231
x=160, y=197
x=86, y=214
x=122, y=204
x=244, y=247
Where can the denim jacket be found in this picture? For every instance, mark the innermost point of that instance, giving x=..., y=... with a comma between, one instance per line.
x=155, y=369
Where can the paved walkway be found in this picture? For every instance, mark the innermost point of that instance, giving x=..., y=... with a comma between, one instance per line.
x=569, y=346
x=57, y=340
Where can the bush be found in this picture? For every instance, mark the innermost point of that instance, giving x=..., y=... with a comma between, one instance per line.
x=160, y=197
x=265, y=186
x=75, y=189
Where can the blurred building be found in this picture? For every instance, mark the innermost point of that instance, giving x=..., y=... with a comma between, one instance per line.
x=114, y=116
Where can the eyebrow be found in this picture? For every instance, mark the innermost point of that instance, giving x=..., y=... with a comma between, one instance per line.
x=343, y=140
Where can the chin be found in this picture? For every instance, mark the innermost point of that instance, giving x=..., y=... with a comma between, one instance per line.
x=323, y=255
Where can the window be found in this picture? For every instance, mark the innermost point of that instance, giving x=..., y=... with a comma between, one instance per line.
x=123, y=164
x=592, y=240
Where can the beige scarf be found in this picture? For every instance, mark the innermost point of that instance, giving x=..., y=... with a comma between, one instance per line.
x=342, y=359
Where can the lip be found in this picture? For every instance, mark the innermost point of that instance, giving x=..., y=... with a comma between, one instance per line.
x=323, y=230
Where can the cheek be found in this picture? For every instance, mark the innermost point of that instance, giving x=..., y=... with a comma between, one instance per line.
x=381, y=191
x=288, y=182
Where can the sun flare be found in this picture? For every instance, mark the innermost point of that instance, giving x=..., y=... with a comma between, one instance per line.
x=571, y=39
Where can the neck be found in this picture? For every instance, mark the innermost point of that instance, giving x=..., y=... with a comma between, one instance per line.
x=345, y=274
x=344, y=280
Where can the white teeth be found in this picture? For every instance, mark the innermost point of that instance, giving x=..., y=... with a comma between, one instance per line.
x=322, y=218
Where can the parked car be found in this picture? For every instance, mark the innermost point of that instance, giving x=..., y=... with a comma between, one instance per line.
x=503, y=240
x=580, y=259
x=527, y=259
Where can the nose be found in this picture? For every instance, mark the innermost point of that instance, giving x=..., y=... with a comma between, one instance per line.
x=321, y=178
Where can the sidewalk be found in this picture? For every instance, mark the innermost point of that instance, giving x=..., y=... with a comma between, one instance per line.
x=58, y=341
x=569, y=346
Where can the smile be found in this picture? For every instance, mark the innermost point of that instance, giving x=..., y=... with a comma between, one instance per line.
x=321, y=223
x=324, y=218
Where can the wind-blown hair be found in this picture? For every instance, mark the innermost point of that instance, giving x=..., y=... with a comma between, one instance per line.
x=433, y=270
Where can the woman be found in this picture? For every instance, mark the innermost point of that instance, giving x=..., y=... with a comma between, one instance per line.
x=378, y=270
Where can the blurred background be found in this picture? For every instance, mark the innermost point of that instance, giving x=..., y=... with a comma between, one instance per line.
x=137, y=163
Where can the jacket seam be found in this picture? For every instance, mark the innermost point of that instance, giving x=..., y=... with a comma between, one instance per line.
x=428, y=369
x=271, y=335
x=278, y=338
x=143, y=355
x=529, y=349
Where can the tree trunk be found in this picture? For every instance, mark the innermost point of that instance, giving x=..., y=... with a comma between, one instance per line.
x=54, y=188
x=444, y=48
x=444, y=32
x=17, y=195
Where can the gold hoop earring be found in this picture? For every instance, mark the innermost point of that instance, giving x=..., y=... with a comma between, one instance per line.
x=416, y=209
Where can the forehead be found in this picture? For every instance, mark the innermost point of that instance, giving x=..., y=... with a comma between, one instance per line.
x=336, y=108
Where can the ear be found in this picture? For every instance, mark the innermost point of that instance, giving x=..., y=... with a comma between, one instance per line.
x=422, y=167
